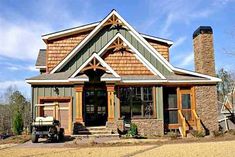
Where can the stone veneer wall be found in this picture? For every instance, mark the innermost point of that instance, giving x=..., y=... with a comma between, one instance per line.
x=204, y=54
x=146, y=127
x=206, y=106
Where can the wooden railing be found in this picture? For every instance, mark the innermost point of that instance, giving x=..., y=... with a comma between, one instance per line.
x=196, y=120
x=182, y=123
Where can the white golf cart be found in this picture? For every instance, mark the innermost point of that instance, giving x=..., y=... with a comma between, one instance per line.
x=47, y=126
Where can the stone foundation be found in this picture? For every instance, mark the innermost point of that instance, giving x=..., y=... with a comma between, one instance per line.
x=149, y=127
x=146, y=127
x=206, y=107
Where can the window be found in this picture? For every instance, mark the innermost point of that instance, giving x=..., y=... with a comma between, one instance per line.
x=170, y=106
x=186, y=104
x=136, y=101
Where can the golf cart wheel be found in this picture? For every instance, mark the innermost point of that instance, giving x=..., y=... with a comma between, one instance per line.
x=61, y=134
x=56, y=138
x=34, y=138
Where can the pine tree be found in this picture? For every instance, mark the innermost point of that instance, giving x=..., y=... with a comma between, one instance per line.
x=17, y=123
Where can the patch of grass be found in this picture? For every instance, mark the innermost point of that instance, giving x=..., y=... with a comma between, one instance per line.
x=15, y=139
x=218, y=133
x=197, y=134
x=231, y=132
x=172, y=135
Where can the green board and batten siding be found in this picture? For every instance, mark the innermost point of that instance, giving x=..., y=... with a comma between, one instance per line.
x=48, y=91
x=101, y=39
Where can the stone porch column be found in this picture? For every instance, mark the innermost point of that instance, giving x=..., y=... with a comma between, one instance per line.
x=110, y=92
x=79, y=114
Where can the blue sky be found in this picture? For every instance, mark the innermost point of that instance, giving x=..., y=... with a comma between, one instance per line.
x=23, y=23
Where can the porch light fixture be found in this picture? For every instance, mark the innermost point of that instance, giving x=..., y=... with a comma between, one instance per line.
x=56, y=90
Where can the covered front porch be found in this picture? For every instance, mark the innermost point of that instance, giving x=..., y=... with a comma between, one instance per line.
x=155, y=109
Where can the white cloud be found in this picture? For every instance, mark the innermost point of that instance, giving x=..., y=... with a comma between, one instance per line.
x=170, y=12
x=222, y=2
x=165, y=30
x=31, y=68
x=186, y=60
x=179, y=42
x=22, y=86
x=20, y=35
x=16, y=67
x=21, y=41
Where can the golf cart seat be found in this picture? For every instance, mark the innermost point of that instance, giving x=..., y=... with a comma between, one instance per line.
x=44, y=121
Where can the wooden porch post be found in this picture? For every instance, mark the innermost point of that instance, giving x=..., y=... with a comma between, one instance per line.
x=79, y=115
x=110, y=92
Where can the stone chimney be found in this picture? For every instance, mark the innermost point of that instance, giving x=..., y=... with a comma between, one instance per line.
x=204, y=50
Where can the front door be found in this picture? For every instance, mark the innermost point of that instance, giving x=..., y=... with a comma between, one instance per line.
x=95, y=107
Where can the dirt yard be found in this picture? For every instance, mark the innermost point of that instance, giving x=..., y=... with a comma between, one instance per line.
x=202, y=149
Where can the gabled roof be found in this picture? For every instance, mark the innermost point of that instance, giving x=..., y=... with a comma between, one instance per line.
x=102, y=62
x=41, y=60
x=132, y=31
x=176, y=75
x=89, y=27
x=137, y=54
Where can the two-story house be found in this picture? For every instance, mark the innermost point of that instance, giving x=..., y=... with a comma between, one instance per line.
x=107, y=73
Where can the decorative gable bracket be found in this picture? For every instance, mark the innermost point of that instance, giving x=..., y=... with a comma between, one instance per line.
x=113, y=20
x=95, y=62
x=94, y=65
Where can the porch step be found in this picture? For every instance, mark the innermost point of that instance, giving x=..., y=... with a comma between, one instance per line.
x=91, y=132
x=94, y=132
x=96, y=128
x=95, y=136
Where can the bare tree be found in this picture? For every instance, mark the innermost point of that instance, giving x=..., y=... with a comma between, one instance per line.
x=227, y=84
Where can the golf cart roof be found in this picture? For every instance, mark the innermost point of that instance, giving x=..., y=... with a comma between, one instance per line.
x=46, y=104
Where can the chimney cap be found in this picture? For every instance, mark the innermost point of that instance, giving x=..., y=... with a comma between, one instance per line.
x=202, y=30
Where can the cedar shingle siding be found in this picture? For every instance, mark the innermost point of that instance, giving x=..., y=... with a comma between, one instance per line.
x=125, y=63
x=59, y=48
x=162, y=48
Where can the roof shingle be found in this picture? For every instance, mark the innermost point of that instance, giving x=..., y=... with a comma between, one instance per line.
x=41, y=60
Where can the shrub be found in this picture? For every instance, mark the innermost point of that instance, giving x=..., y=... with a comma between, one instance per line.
x=17, y=123
x=172, y=135
x=231, y=132
x=218, y=133
x=196, y=133
x=133, y=130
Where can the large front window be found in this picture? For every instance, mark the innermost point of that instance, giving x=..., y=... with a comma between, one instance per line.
x=136, y=101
